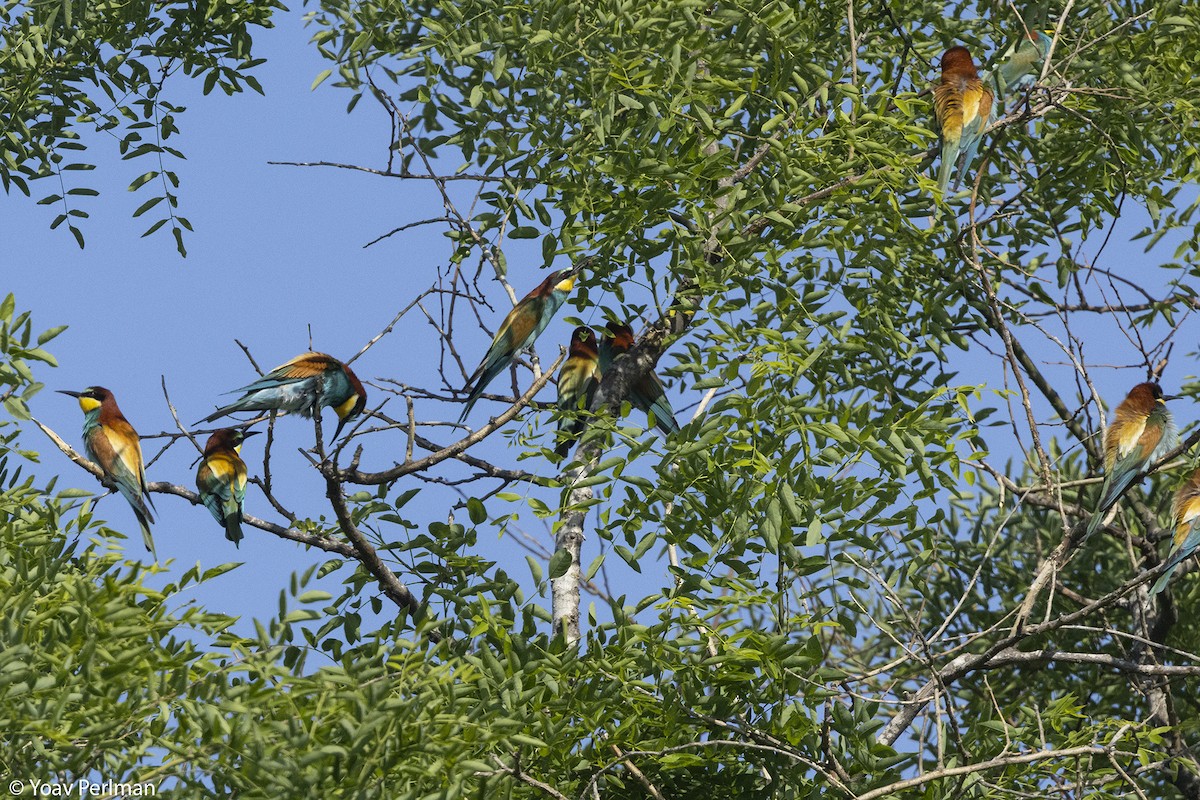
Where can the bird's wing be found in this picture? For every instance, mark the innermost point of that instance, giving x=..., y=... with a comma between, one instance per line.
x=127, y=463
x=976, y=106
x=226, y=480
x=1124, y=440
x=519, y=327
x=305, y=365
x=1186, y=514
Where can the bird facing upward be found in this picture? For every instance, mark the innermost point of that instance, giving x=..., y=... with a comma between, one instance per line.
x=307, y=383
x=113, y=444
x=520, y=329
x=221, y=479
x=577, y=382
x=962, y=108
x=1142, y=432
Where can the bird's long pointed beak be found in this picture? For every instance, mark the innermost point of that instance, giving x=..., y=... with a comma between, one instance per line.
x=248, y=434
x=338, y=432
x=582, y=264
x=1167, y=397
x=69, y=393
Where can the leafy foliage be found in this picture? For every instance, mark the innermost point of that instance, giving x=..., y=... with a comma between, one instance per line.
x=70, y=68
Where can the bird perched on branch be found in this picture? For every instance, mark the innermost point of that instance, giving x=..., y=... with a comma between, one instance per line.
x=962, y=109
x=305, y=384
x=1141, y=433
x=647, y=393
x=577, y=382
x=1187, y=529
x=523, y=325
x=1021, y=68
x=113, y=444
x=221, y=479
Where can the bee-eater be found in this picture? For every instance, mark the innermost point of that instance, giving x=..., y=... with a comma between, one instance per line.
x=113, y=444
x=1187, y=528
x=305, y=384
x=577, y=382
x=221, y=479
x=1141, y=434
x=647, y=393
x=1021, y=69
x=523, y=325
x=962, y=108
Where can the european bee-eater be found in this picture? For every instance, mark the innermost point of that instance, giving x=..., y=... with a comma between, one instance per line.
x=577, y=382
x=647, y=393
x=221, y=479
x=305, y=384
x=962, y=108
x=523, y=325
x=1187, y=529
x=1021, y=69
x=113, y=444
x=1141, y=434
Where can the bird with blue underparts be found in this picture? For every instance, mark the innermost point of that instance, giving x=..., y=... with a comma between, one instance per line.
x=1187, y=529
x=221, y=480
x=577, y=382
x=1022, y=65
x=647, y=393
x=962, y=109
x=1141, y=433
x=521, y=328
x=304, y=385
x=114, y=445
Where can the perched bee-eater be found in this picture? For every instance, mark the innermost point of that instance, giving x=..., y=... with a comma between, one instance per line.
x=113, y=444
x=962, y=109
x=647, y=393
x=221, y=479
x=1024, y=64
x=523, y=325
x=1141, y=434
x=305, y=384
x=1187, y=528
x=577, y=382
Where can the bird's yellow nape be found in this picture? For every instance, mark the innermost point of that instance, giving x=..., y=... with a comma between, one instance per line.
x=566, y=284
x=345, y=408
x=88, y=404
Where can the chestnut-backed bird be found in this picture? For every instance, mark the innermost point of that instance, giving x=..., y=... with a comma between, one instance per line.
x=1021, y=68
x=647, y=393
x=221, y=479
x=113, y=444
x=521, y=328
x=962, y=109
x=1141, y=433
x=1187, y=529
x=577, y=382
x=306, y=384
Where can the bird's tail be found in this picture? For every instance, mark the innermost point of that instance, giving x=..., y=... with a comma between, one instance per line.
x=233, y=529
x=949, y=159
x=220, y=412
x=144, y=520
x=1163, y=579
x=1178, y=556
x=572, y=434
x=664, y=419
x=467, y=408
